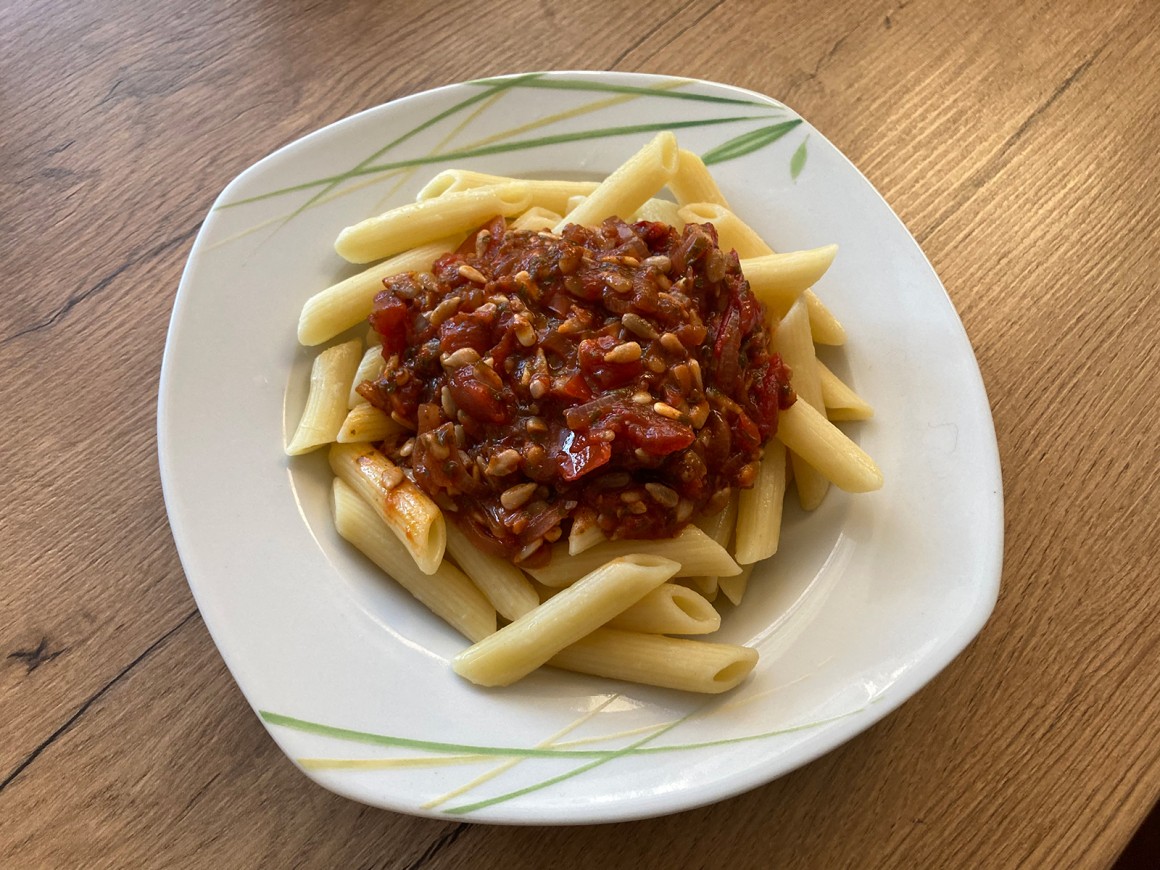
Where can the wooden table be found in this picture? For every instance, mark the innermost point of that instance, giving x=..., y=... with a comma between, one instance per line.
x=1017, y=141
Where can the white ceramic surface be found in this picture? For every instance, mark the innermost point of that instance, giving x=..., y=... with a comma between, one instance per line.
x=868, y=599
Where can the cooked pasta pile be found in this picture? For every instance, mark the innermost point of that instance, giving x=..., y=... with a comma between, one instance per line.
x=604, y=392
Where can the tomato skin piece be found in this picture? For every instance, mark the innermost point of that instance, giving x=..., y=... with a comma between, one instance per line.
x=656, y=435
x=581, y=454
x=726, y=349
x=479, y=399
x=574, y=389
x=390, y=318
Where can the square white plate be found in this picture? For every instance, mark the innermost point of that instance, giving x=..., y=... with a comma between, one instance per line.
x=868, y=598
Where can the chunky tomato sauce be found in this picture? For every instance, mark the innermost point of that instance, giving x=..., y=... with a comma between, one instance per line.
x=618, y=376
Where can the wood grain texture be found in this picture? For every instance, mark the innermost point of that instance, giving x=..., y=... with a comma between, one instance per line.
x=1018, y=143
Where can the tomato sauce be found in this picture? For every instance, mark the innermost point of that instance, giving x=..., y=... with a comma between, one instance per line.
x=618, y=376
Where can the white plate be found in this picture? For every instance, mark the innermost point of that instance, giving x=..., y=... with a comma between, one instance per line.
x=869, y=598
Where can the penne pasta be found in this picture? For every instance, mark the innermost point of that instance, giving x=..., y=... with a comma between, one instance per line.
x=669, y=609
x=823, y=445
x=550, y=194
x=536, y=219
x=504, y=585
x=421, y=223
x=659, y=210
x=734, y=587
x=732, y=232
x=330, y=377
x=365, y=423
x=792, y=341
x=656, y=660
x=706, y=587
x=841, y=402
x=522, y=646
x=693, y=182
x=696, y=552
x=823, y=325
x=629, y=186
x=349, y=303
x=779, y=279
x=369, y=368
x=447, y=593
x=719, y=527
x=759, y=509
x=583, y=537
x=406, y=509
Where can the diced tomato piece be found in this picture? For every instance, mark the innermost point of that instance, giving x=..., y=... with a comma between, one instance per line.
x=576, y=389
x=464, y=330
x=582, y=453
x=389, y=320
x=478, y=398
x=653, y=433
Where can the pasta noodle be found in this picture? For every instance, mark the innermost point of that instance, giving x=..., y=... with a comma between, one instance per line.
x=759, y=509
x=823, y=445
x=735, y=233
x=669, y=609
x=734, y=587
x=349, y=303
x=719, y=527
x=792, y=340
x=366, y=423
x=520, y=647
x=421, y=223
x=659, y=210
x=842, y=403
x=732, y=232
x=550, y=195
x=696, y=552
x=630, y=186
x=584, y=537
x=693, y=181
x=369, y=368
x=406, y=509
x=779, y=279
x=503, y=583
x=657, y=660
x=330, y=377
x=447, y=592
x=535, y=219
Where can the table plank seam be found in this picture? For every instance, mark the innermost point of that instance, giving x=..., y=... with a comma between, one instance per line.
x=661, y=22
x=32, y=756
x=103, y=284
x=1003, y=154
x=443, y=842
x=681, y=33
